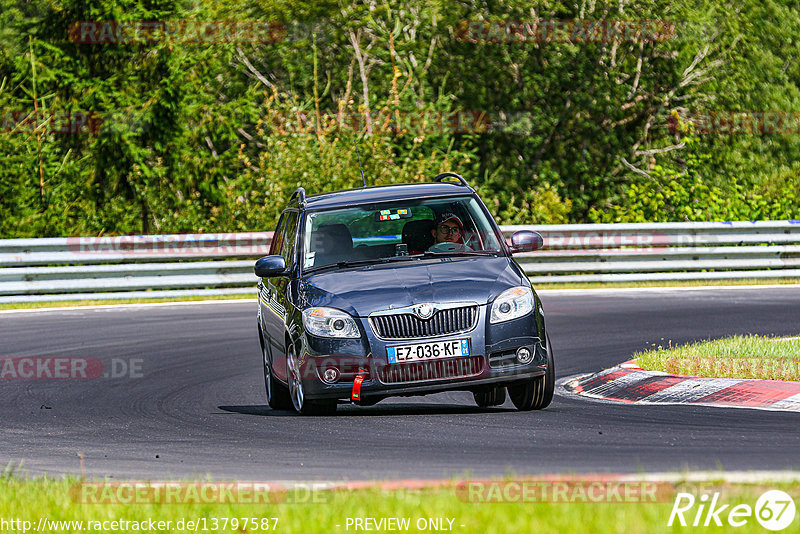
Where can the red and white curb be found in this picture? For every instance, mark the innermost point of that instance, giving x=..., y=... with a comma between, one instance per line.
x=630, y=384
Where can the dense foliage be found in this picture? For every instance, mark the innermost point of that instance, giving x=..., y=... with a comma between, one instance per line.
x=161, y=135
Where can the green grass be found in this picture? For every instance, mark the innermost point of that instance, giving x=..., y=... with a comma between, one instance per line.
x=768, y=358
x=321, y=512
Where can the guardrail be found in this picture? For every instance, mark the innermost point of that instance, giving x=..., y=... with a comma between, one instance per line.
x=634, y=252
x=219, y=264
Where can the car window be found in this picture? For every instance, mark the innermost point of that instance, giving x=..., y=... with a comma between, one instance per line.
x=383, y=230
x=277, y=237
x=289, y=238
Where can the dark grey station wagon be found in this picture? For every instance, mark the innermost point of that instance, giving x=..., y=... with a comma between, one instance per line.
x=396, y=291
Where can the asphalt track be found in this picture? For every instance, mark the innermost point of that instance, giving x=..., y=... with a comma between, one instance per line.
x=198, y=409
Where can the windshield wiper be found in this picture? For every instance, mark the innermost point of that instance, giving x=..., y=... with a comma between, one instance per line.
x=436, y=254
x=391, y=259
x=356, y=263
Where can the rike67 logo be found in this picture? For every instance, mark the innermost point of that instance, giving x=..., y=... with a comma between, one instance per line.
x=774, y=510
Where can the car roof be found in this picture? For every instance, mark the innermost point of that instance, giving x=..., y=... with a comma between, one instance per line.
x=381, y=193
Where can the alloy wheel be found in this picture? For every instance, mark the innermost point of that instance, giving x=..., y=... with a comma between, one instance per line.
x=295, y=381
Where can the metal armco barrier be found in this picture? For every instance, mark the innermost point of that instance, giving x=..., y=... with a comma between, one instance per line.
x=218, y=264
x=638, y=252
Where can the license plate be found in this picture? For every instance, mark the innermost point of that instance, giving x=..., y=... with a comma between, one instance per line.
x=428, y=351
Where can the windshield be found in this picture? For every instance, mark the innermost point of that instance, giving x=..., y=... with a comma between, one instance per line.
x=381, y=232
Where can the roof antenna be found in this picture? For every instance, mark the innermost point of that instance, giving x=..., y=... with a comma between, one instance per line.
x=359, y=163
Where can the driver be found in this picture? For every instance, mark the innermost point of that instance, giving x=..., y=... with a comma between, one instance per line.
x=447, y=231
x=447, y=228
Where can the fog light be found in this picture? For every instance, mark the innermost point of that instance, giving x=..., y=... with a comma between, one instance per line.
x=330, y=375
x=524, y=355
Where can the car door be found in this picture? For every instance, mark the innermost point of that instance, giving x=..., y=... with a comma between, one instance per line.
x=266, y=316
x=275, y=295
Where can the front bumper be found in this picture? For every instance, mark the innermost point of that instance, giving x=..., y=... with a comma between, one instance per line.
x=492, y=352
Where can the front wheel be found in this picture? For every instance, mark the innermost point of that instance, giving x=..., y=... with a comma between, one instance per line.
x=277, y=393
x=535, y=393
x=297, y=393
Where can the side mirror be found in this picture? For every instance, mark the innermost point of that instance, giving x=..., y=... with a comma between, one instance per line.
x=526, y=241
x=270, y=266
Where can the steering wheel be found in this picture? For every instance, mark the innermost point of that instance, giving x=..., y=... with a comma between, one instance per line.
x=447, y=246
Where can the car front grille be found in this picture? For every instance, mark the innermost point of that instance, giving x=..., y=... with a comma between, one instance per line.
x=431, y=370
x=408, y=326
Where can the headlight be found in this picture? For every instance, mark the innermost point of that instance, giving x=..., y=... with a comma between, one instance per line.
x=512, y=303
x=329, y=322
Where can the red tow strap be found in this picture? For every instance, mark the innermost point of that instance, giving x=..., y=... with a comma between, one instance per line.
x=356, y=394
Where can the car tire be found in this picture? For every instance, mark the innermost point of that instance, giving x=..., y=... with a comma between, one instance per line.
x=535, y=393
x=277, y=394
x=490, y=397
x=298, y=400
